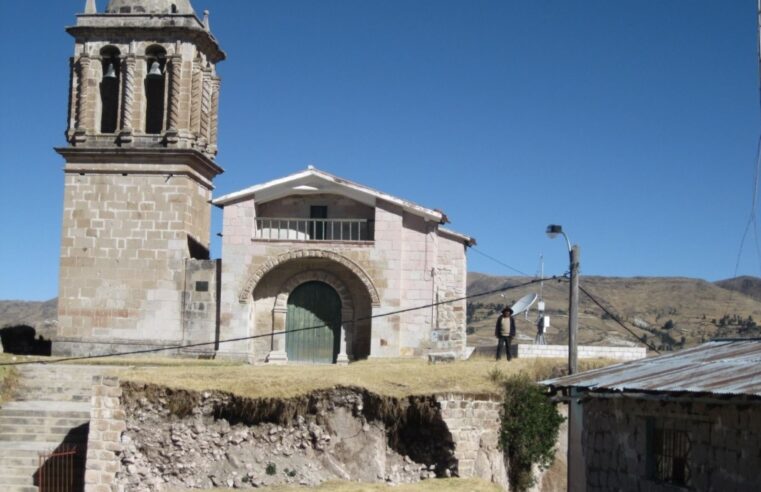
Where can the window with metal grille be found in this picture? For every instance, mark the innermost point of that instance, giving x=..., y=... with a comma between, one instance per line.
x=668, y=453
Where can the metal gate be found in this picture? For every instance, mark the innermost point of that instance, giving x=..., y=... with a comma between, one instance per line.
x=313, y=324
x=61, y=470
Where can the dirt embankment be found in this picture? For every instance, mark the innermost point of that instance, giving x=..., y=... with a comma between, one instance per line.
x=178, y=439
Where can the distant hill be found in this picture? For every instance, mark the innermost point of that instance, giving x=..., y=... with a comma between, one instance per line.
x=27, y=312
x=750, y=286
x=37, y=314
x=669, y=313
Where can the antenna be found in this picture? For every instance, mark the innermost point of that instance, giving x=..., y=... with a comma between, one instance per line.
x=541, y=272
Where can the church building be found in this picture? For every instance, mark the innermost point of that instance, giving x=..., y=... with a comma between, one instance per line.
x=314, y=269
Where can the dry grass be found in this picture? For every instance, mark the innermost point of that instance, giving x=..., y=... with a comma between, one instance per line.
x=450, y=484
x=119, y=361
x=389, y=377
x=8, y=379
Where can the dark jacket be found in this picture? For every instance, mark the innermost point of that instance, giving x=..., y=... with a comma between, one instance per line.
x=512, y=327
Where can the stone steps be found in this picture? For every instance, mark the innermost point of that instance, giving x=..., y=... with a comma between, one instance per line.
x=51, y=405
x=5, y=487
x=40, y=421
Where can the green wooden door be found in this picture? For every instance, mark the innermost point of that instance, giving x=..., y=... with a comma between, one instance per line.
x=313, y=304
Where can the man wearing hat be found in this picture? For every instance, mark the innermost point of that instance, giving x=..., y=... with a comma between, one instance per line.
x=505, y=331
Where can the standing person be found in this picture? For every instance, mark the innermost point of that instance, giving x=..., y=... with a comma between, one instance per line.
x=505, y=331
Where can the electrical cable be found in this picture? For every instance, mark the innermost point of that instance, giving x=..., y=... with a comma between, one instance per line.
x=606, y=310
x=473, y=248
x=271, y=334
x=617, y=320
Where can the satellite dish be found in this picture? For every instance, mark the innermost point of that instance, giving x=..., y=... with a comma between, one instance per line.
x=524, y=303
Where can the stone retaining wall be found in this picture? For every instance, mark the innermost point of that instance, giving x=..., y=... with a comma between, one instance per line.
x=107, y=422
x=474, y=424
x=524, y=351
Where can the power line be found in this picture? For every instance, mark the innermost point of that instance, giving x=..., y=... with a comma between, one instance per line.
x=752, y=221
x=502, y=263
x=473, y=248
x=613, y=316
x=617, y=320
x=272, y=334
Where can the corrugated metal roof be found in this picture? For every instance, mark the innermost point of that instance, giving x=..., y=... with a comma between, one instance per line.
x=722, y=367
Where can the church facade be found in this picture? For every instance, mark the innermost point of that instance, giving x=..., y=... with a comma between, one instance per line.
x=314, y=268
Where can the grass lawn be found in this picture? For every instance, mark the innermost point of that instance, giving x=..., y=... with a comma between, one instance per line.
x=8, y=377
x=449, y=484
x=389, y=377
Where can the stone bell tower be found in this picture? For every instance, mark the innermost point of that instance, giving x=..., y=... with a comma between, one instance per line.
x=142, y=138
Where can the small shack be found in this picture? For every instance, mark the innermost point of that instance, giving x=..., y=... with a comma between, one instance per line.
x=684, y=421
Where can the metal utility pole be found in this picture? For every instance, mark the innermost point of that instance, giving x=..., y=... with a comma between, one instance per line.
x=576, y=475
x=554, y=230
x=573, y=311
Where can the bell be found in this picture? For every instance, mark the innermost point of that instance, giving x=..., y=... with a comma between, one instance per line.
x=110, y=72
x=155, y=71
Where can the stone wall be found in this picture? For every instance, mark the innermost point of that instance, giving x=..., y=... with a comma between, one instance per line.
x=107, y=422
x=724, y=442
x=401, y=268
x=474, y=424
x=339, y=207
x=149, y=438
x=200, y=301
x=525, y=351
x=451, y=283
x=123, y=251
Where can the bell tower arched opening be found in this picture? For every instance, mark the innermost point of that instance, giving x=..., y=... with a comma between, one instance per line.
x=109, y=89
x=155, y=89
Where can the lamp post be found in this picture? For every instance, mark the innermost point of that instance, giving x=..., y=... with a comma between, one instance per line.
x=553, y=231
x=576, y=478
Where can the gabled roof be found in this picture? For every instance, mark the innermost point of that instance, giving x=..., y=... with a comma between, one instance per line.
x=467, y=240
x=719, y=367
x=314, y=181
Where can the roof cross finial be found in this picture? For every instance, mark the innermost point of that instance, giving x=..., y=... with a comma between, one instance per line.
x=90, y=7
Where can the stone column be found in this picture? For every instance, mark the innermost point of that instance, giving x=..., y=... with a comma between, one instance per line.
x=216, y=82
x=278, y=354
x=173, y=119
x=196, y=91
x=128, y=97
x=72, y=123
x=342, y=359
x=205, y=125
x=83, y=74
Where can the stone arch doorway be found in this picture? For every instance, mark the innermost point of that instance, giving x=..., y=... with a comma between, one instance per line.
x=313, y=324
x=270, y=309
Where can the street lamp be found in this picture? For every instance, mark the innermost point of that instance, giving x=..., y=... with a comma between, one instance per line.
x=553, y=231
x=575, y=472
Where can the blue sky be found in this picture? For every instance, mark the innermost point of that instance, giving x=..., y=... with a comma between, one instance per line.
x=632, y=123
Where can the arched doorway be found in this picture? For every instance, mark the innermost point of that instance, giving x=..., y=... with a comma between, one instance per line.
x=309, y=305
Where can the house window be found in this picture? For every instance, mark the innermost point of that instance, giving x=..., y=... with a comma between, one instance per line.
x=667, y=453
